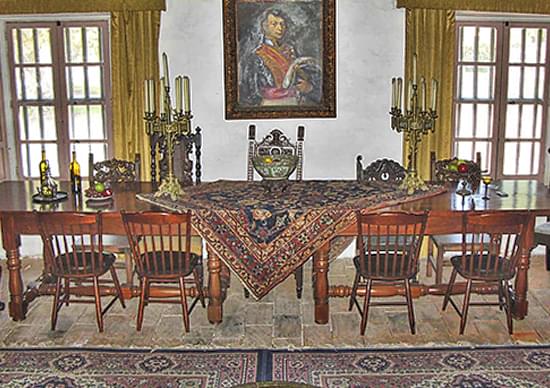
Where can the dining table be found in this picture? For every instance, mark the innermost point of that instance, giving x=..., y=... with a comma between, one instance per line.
x=260, y=232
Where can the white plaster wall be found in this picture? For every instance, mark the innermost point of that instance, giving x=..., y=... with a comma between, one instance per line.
x=370, y=46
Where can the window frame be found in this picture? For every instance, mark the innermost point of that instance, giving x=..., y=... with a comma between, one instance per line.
x=62, y=101
x=500, y=100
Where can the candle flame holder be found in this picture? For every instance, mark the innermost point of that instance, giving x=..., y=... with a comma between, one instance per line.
x=171, y=123
x=415, y=121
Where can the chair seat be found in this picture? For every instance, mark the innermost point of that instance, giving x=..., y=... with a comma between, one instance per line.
x=387, y=271
x=487, y=269
x=85, y=263
x=454, y=241
x=167, y=264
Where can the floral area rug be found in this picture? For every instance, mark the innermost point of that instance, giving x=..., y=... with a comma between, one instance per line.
x=510, y=366
x=449, y=367
x=125, y=368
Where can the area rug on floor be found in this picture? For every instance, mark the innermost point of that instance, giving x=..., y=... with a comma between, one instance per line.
x=447, y=367
x=125, y=368
x=513, y=366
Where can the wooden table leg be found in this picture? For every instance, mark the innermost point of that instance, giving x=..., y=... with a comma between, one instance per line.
x=10, y=241
x=520, y=302
x=215, y=298
x=320, y=284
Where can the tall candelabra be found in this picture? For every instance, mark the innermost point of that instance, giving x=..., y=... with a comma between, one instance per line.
x=415, y=121
x=170, y=122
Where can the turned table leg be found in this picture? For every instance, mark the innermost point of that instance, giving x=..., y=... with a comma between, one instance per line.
x=215, y=300
x=10, y=241
x=520, y=302
x=320, y=286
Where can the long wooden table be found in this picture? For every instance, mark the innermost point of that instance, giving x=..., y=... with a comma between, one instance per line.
x=446, y=210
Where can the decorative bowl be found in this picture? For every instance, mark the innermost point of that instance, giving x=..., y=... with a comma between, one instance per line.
x=275, y=167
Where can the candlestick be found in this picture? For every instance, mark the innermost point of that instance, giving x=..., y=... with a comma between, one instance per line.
x=434, y=94
x=414, y=123
x=178, y=93
x=393, y=93
x=414, y=69
x=162, y=95
x=147, y=99
x=399, y=92
x=152, y=98
x=165, y=68
x=186, y=94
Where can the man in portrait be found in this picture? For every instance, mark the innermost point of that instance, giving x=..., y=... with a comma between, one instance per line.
x=273, y=72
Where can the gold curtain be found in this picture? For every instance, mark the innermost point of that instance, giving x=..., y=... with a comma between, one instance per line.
x=516, y=6
x=431, y=35
x=134, y=58
x=11, y=7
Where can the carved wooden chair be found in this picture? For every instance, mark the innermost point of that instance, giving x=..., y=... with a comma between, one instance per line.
x=186, y=170
x=116, y=171
x=161, y=249
x=275, y=143
x=441, y=173
x=380, y=170
x=73, y=249
x=388, y=245
x=542, y=237
x=491, y=260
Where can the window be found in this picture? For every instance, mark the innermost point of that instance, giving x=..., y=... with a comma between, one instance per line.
x=60, y=93
x=501, y=97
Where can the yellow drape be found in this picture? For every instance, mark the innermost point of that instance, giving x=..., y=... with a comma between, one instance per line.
x=431, y=35
x=517, y=6
x=12, y=7
x=134, y=58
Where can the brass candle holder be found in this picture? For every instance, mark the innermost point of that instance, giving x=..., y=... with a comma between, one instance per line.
x=170, y=123
x=415, y=121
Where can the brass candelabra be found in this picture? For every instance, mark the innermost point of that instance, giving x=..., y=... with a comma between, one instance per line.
x=415, y=121
x=170, y=122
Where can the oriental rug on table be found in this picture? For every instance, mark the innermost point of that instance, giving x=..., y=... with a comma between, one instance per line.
x=265, y=230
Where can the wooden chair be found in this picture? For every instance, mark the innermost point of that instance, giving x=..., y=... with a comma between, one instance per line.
x=73, y=248
x=275, y=142
x=389, y=246
x=440, y=173
x=493, y=260
x=116, y=171
x=380, y=170
x=161, y=249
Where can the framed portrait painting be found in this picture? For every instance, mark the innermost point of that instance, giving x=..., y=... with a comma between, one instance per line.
x=280, y=59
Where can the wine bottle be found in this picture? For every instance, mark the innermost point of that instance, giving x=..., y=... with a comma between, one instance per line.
x=76, y=179
x=44, y=168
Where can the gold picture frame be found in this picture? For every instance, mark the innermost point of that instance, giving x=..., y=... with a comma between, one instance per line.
x=280, y=59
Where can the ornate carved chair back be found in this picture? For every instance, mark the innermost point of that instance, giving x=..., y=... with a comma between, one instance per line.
x=380, y=170
x=183, y=164
x=454, y=169
x=275, y=143
x=114, y=170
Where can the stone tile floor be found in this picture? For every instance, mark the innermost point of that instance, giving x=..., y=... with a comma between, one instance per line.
x=278, y=321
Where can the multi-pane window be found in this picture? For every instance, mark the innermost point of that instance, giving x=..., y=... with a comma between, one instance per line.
x=501, y=96
x=60, y=75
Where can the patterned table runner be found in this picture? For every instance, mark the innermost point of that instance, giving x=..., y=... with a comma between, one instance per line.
x=265, y=230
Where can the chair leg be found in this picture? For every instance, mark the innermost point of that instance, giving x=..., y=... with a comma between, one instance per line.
x=117, y=286
x=501, y=298
x=439, y=267
x=67, y=291
x=410, y=307
x=184, y=309
x=246, y=293
x=449, y=289
x=465, y=306
x=353, y=291
x=198, y=284
x=547, y=259
x=56, y=306
x=429, y=259
x=299, y=277
x=141, y=305
x=508, y=307
x=366, y=307
x=98, y=313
